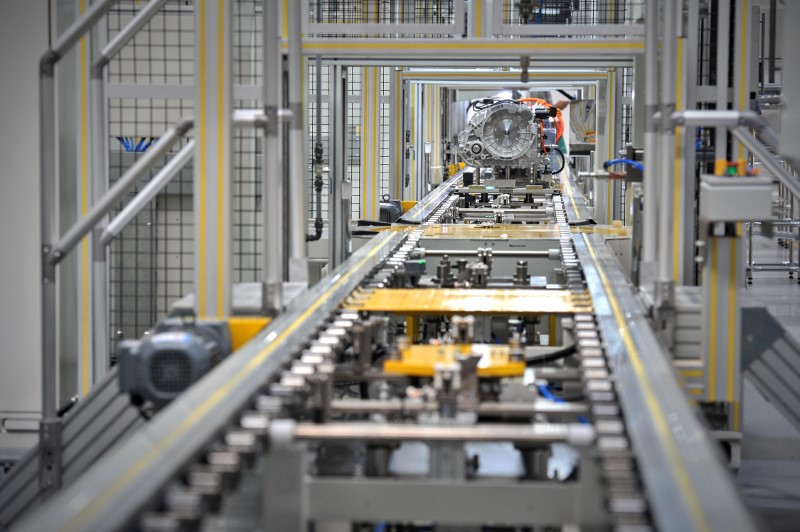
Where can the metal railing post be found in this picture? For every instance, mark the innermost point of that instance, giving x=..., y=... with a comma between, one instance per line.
x=296, y=215
x=100, y=327
x=50, y=440
x=272, y=166
x=667, y=162
x=650, y=217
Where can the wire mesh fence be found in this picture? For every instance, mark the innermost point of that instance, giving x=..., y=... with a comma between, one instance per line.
x=151, y=261
x=571, y=12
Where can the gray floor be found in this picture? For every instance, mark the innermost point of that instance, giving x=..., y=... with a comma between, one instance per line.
x=770, y=474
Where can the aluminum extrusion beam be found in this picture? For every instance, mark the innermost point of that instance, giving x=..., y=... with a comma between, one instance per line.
x=469, y=50
x=688, y=485
x=119, y=485
x=272, y=164
x=295, y=215
x=665, y=276
x=340, y=192
x=213, y=165
x=437, y=76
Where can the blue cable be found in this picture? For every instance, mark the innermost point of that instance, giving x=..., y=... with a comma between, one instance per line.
x=547, y=394
x=636, y=164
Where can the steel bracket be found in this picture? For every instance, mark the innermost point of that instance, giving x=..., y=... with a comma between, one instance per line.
x=48, y=265
x=271, y=126
x=50, y=454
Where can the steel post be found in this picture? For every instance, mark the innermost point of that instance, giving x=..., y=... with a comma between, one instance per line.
x=99, y=279
x=338, y=208
x=49, y=435
x=272, y=182
x=297, y=215
x=213, y=166
x=723, y=53
x=667, y=142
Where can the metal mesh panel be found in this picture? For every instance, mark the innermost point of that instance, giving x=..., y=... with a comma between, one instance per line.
x=384, y=143
x=389, y=13
x=311, y=125
x=246, y=195
x=162, y=52
x=150, y=262
x=382, y=11
x=626, y=122
x=574, y=12
x=707, y=47
x=247, y=42
x=353, y=122
x=706, y=75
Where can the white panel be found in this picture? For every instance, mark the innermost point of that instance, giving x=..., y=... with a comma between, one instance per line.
x=23, y=39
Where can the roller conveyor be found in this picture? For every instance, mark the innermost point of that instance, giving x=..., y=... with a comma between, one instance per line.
x=642, y=457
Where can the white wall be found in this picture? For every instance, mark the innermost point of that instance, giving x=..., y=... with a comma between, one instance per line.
x=23, y=39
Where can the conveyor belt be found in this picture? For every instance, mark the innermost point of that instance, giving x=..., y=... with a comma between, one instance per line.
x=424, y=208
x=118, y=486
x=644, y=425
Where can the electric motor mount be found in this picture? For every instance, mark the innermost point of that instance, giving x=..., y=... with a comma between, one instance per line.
x=161, y=365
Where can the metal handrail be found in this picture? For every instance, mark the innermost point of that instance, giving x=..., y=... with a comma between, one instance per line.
x=148, y=193
x=47, y=135
x=739, y=123
x=85, y=224
x=241, y=118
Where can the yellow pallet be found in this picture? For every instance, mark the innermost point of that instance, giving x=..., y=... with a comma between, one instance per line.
x=421, y=360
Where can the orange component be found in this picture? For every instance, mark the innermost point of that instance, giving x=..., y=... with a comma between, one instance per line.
x=559, y=120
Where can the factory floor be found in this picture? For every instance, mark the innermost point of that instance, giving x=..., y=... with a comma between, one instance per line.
x=770, y=473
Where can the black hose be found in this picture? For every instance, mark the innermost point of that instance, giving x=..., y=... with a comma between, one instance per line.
x=581, y=223
x=563, y=160
x=68, y=406
x=483, y=103
x=559, y=354
x=318, y=154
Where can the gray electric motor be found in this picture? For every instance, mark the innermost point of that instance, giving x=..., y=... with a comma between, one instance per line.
x=160, y=366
